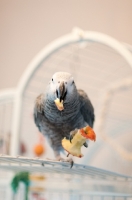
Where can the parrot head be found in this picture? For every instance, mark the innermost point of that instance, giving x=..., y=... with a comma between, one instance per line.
x=61, y=86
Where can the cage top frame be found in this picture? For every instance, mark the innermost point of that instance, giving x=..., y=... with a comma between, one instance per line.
x=76, y=36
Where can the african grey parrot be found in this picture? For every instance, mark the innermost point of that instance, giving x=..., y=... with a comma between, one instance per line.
x=55, y=124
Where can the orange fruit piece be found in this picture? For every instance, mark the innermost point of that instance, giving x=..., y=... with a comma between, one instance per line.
x=88, y=133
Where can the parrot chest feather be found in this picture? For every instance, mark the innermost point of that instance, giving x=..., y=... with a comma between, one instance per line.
x=59, y=124
x=64, y=117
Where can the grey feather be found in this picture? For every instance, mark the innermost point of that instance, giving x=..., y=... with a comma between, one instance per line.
x=78, y=111
x=86, y=109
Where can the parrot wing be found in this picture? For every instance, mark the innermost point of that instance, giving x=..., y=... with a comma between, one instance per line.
x=86, y=109
x=39, y=111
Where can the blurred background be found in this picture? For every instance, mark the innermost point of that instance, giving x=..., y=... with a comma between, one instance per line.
x=27, y=26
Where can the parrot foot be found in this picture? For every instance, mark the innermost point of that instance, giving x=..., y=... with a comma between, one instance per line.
x=70, y=160
x=72, y=134
x=85, y=144
x=59, y=158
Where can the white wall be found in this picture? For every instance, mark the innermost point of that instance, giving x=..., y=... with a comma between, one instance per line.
x=26, y=26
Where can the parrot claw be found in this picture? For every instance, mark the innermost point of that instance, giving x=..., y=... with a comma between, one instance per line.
x=70, y=138
x=68, y=154
x=72, y=134
x=85, y=144
x=72, y=163
x=70, y=160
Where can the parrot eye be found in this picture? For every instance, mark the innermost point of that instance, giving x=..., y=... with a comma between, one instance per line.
x=72, y=82
x=52, y=79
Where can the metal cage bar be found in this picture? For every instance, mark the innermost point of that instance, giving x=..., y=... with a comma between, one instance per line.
x=6, y=112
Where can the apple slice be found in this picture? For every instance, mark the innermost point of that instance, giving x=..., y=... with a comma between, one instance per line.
x=59, y=104
x=74, y=147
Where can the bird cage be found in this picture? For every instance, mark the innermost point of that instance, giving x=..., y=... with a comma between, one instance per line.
x=6, y=113
x=60, y=182
x=102, y=67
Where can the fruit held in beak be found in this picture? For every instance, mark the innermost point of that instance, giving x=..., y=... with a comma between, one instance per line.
x=59, y=104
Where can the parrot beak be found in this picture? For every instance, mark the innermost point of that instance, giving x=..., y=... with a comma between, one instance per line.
x=61, y=92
